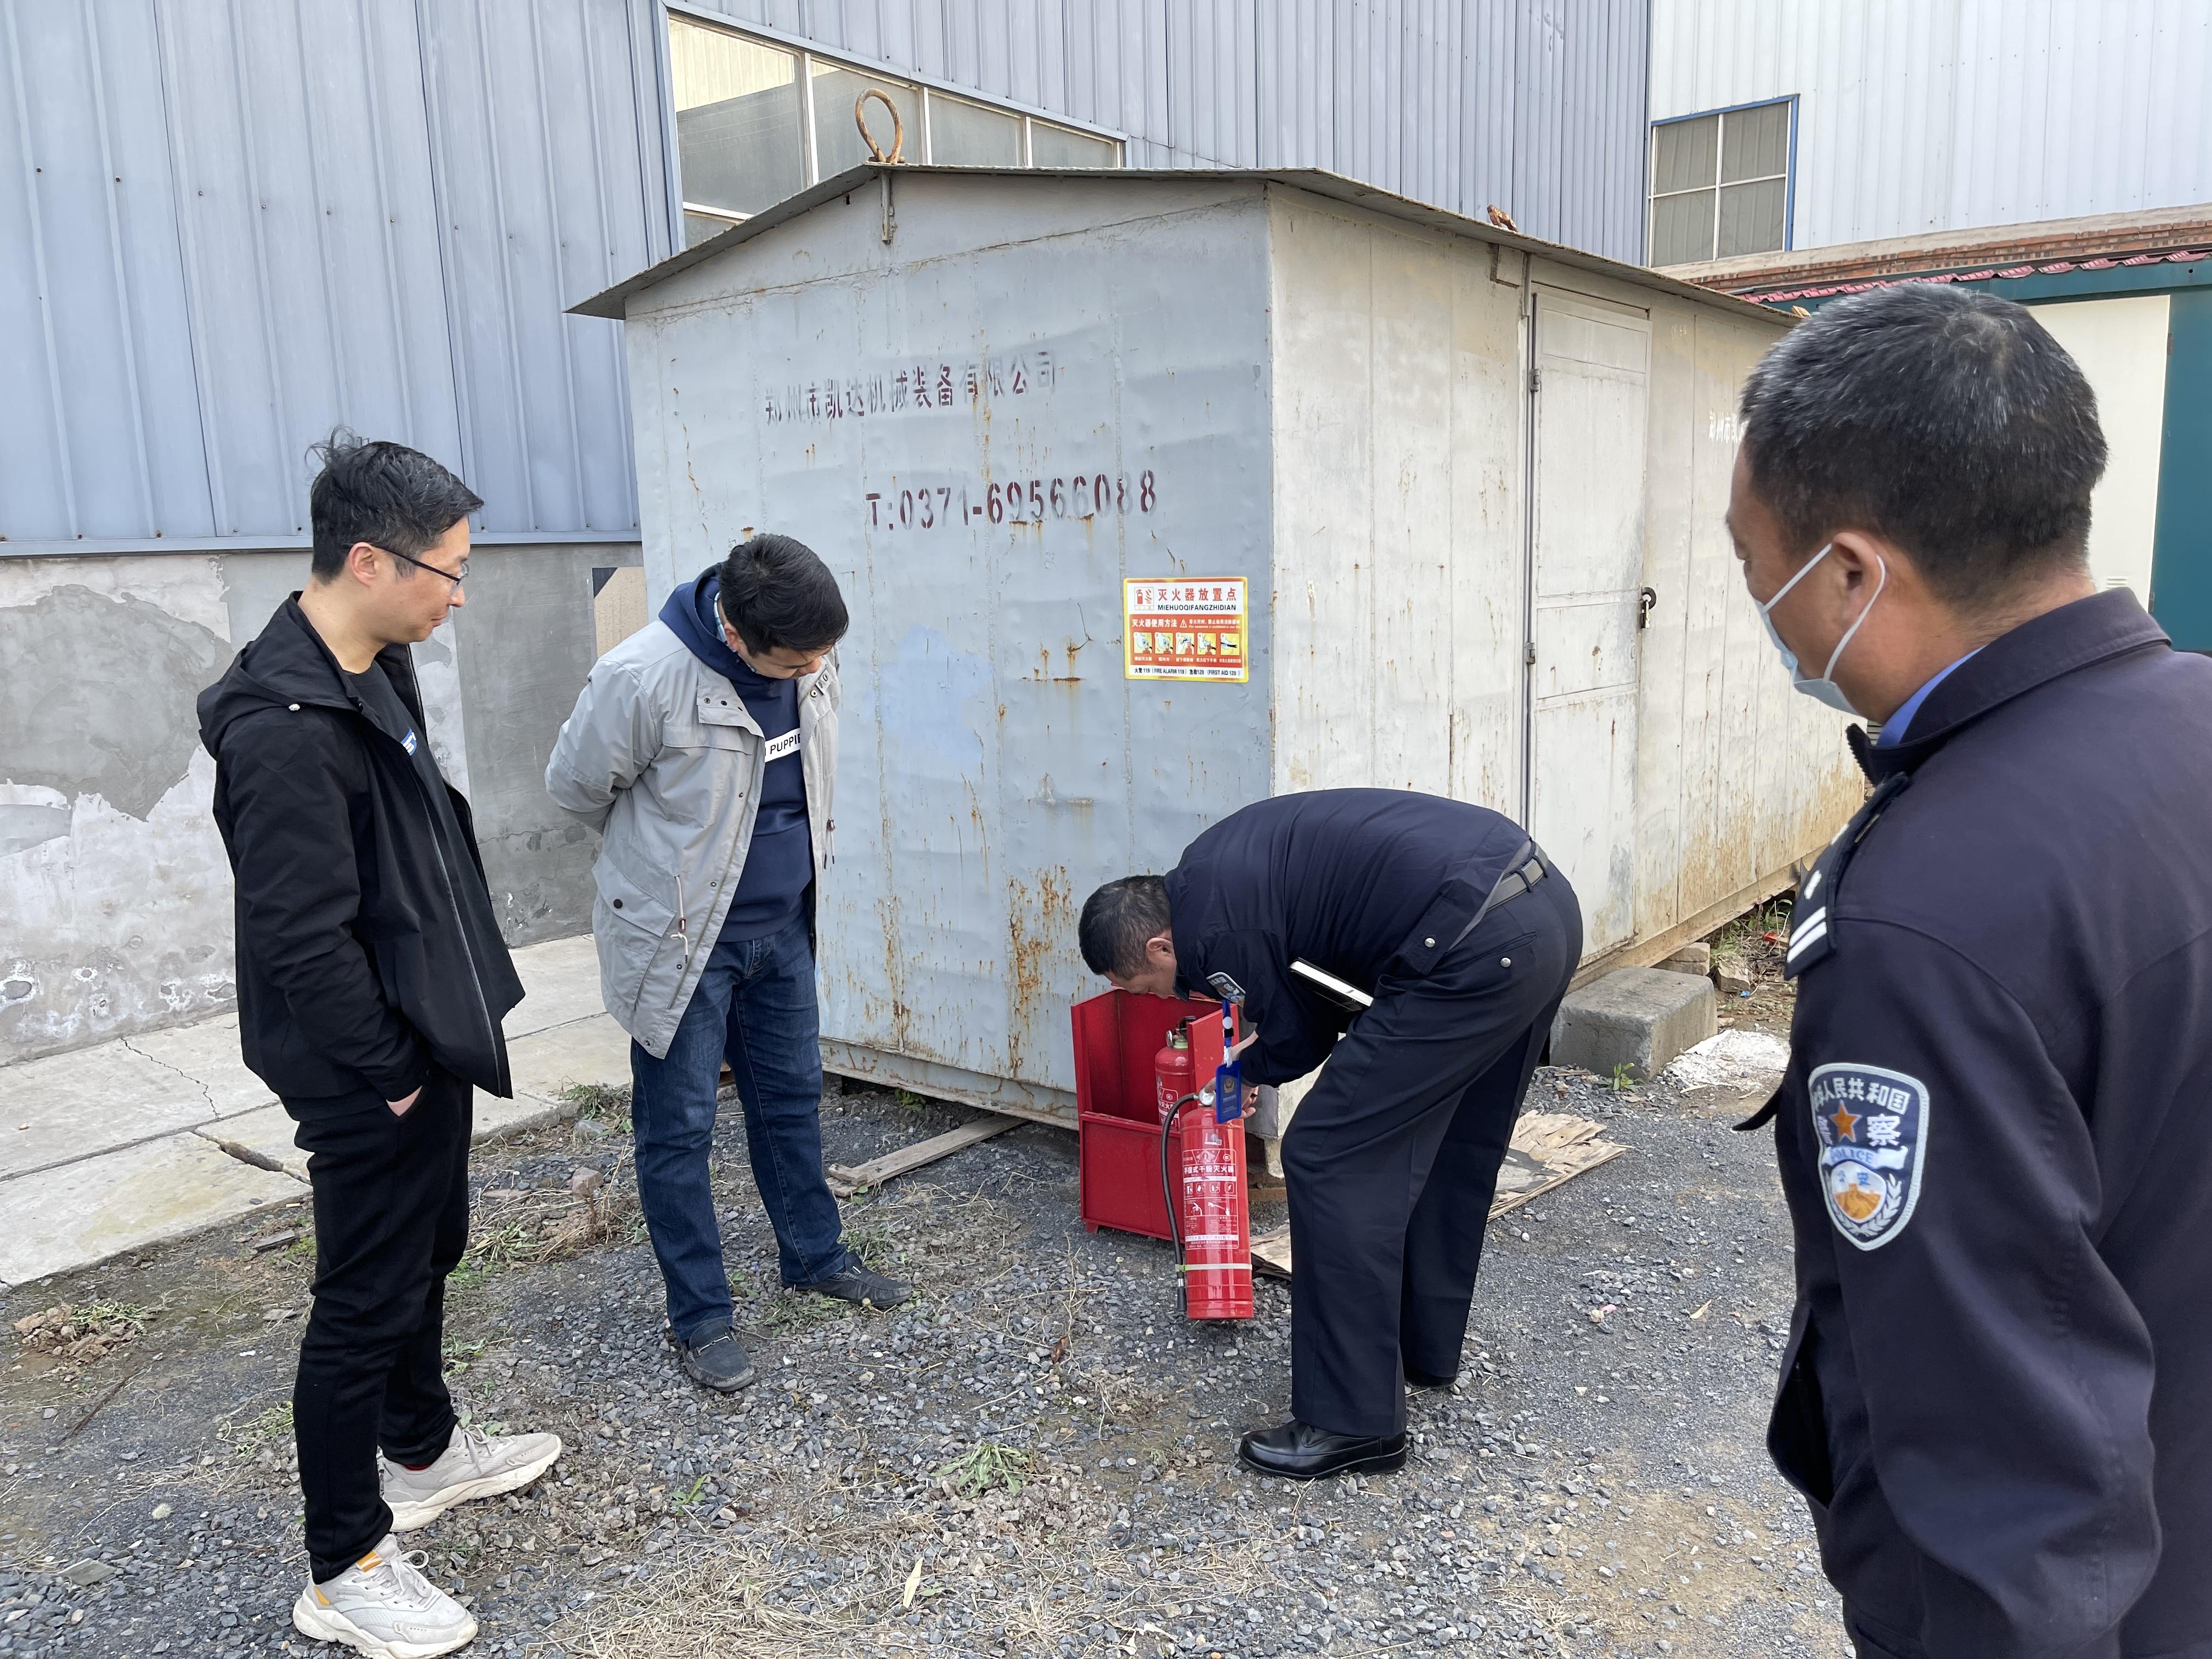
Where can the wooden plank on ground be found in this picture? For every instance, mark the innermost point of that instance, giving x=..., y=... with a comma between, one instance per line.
x=1547, y=1150
x=845, y=1180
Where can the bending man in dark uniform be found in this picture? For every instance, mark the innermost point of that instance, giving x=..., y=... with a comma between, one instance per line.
x=1995, y=1131
x=1449, y=917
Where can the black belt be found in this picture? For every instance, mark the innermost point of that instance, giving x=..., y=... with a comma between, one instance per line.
x=1529, y=867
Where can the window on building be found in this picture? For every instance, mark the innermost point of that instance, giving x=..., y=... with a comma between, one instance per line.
x=736, y=124
x=757, y=121
x=1720, y=184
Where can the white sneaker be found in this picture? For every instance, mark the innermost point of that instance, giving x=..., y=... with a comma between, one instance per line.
x=473, y=1464
x=382, y=1606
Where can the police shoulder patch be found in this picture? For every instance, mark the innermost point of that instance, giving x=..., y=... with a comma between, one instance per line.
x=1870, y=1125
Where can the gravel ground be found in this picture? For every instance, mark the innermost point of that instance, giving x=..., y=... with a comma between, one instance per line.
x=1034, y=1457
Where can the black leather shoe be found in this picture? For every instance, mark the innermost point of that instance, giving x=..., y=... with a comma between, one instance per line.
x=1299, y=1451
x=857, y=1284
x=1424, y=1380
x=717, y=1360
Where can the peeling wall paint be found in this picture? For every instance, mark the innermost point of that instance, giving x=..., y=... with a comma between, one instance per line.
x=115, y=897
x=115, y=892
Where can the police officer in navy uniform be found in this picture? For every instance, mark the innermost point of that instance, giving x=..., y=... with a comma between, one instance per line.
x=1995, y=1130
x=1453, y=939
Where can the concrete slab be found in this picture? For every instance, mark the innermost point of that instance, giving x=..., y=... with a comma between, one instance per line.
x=560, y=983
x=92, y=1100
x=593, y=1050
x=1696, y=958
x=1636, y=1017
x=267, y=1133
x=207, y=1054
x=98, y=1207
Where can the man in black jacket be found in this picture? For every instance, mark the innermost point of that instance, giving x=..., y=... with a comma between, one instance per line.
x=1995, y=1130
x=1462, y=937
x=371, y=983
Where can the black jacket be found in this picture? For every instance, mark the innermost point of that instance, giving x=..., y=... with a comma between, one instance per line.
x=355, y=965
x=1995, y=1139
x=1350, y=880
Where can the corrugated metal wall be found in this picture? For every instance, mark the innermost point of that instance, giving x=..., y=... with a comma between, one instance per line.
x=227, y=225
x=1531, y=104
x=1920, y=115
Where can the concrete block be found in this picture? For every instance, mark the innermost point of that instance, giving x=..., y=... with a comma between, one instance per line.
x=100, y=1207
x=1693, y=959
x=1636, y=1017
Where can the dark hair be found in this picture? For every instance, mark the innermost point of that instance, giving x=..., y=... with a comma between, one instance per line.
x=777, y=593
x=384, y=493
x=1118, y=919
x=1946, y=420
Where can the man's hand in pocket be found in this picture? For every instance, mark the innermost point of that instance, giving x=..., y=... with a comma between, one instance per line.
x=400, y=1107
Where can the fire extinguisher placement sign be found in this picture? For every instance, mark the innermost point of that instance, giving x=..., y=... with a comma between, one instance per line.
x=1184, y=629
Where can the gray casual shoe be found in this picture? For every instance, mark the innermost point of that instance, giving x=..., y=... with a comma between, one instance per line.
x=857, y=1284
x=717, y=1360
x=473, y=1464
x=382, y=1606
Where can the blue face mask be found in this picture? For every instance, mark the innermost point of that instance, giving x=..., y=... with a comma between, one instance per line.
x=1823, y=690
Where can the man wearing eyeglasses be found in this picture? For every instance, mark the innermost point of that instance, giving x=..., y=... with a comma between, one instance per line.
x=371, y=983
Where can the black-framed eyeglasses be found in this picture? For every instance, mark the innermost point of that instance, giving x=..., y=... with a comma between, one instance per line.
x=456, y=577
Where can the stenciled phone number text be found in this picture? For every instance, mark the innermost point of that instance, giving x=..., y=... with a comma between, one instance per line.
x=1016, y=500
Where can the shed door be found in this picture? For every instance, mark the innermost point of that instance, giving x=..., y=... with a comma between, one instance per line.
x=1586, y=570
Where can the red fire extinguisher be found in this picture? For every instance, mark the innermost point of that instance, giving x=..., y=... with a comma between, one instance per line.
x=1208, y=1211
x=1174, y=1072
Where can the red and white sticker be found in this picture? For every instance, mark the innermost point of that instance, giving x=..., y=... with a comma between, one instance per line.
x=1185, y=628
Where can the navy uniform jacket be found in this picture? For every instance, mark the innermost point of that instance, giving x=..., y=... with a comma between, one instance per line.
x=1350, y=880
x=1996, y=1139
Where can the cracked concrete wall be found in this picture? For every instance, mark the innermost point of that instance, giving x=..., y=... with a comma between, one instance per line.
x=115, y=893
x=526, y=640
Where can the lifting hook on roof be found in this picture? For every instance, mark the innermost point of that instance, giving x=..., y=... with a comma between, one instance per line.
x=899, y=127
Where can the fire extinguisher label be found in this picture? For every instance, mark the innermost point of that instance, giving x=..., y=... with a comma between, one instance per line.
x=1184, y=629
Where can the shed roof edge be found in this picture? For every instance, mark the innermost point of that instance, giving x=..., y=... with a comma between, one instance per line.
x=612, y=302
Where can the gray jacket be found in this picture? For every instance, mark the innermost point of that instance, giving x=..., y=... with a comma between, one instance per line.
x=660, y=756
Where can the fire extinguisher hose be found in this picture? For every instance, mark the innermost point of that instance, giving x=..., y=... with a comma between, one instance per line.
x=1168, y=1192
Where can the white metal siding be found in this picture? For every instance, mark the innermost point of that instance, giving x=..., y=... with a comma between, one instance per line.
x=1401, y=565
x=1531, y=104
x=227, y=225
x=996, y=764
x=1921, y=115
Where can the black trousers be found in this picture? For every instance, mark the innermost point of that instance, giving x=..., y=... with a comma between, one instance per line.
x=1392, y=1160
x=392, y=1218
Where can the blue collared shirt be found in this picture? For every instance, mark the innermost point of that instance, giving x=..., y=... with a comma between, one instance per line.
x=1892, y=729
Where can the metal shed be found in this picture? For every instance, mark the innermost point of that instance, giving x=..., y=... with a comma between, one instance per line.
x=1153, y=493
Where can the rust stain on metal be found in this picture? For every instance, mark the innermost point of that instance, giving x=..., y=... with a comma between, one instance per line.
x=1035, y=920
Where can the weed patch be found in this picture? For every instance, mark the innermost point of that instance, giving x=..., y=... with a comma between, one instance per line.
x=989, y=1467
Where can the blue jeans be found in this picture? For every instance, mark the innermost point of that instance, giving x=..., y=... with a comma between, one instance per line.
x=754, y=1006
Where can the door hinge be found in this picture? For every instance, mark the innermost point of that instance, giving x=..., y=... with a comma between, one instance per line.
x=1535, y=381
x=1528, y=654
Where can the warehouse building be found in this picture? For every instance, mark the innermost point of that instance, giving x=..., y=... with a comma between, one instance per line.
x=227, y=226
x=2059, y=155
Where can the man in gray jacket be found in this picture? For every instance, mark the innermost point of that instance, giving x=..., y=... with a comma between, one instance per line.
x=704, y=750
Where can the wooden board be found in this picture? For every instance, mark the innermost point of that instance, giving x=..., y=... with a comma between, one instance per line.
x=1547, y=1150
x=845, y=1180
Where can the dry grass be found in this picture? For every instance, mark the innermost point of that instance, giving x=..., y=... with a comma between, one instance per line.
x=718, y=1597
x=527, y=1229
